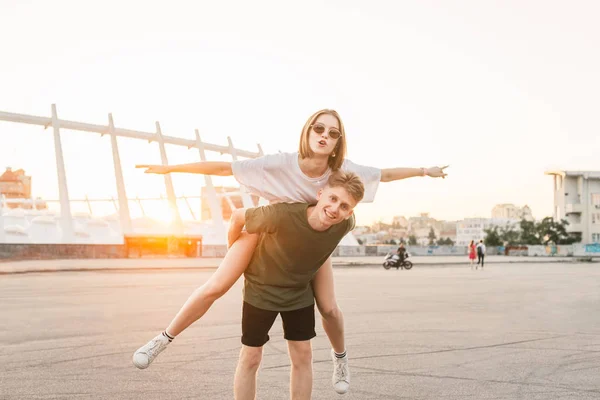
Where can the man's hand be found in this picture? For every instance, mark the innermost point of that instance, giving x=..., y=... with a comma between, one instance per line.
x=154, y=169
x=436, y=172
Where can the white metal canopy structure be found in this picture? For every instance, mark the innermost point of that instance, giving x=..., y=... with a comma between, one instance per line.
x=66, y=221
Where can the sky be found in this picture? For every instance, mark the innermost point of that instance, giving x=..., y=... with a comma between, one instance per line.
x=500, y=91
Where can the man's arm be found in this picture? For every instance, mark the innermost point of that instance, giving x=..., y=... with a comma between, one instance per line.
x=394, y=174
x=220, y=168
x=236, y=224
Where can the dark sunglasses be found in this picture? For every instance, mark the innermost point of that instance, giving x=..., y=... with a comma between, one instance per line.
x=334, y=133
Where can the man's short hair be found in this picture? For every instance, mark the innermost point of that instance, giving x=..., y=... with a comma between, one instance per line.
x=349, y=181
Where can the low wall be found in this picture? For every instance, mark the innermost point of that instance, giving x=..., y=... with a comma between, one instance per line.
x=196, y=249
x=60, y=251
x=133, y=247
x=574, y=250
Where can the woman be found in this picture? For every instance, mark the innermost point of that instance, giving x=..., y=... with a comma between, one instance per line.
x=283, y=177
x=472, y=253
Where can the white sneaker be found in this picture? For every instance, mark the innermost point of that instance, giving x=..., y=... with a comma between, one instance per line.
x=144, y=356
x=341, y=374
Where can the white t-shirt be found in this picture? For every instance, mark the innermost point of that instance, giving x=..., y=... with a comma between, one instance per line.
x=279, y=179
x=482, y=247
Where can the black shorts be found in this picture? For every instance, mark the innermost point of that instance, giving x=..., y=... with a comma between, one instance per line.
x=298, y=325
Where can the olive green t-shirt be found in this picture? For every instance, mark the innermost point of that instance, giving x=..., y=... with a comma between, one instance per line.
x=288, y=255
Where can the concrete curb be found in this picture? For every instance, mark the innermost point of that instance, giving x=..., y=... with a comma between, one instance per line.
x=337, y=264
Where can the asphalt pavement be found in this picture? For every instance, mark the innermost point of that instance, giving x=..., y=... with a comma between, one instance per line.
x=512, y=331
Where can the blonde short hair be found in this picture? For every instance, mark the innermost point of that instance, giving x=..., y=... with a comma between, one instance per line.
x=334, y=162
x=349, y=181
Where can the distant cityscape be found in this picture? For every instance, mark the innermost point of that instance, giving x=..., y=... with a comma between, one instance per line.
x=576, y=202
x=424, y=229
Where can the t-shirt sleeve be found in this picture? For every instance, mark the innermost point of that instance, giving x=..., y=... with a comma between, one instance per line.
x=250, y=173
x=262, y=219
x=370, y=177
x=351, y=224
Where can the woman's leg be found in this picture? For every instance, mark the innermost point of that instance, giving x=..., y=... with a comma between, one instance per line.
x=333, y=323
x=231, y=268
x=331, y=315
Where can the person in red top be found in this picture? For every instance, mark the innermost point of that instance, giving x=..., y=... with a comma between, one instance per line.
x=472, y=253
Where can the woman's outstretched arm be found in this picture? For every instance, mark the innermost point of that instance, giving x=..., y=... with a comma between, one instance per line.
x=394, y=174
x=220, y=168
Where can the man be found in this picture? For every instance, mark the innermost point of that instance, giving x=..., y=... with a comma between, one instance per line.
x=296, y=240
x=401, y=252
x=480, y=253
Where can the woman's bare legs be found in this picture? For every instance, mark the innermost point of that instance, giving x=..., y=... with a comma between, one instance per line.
x=333, y=323
x=231, y=268
x=331, y=315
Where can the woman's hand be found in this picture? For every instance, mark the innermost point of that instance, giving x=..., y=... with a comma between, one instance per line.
x=155, y=169
x=436, y=172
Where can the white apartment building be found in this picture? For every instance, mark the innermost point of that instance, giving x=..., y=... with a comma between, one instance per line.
x=510, y=211
x=474, y=228
x=577, y=199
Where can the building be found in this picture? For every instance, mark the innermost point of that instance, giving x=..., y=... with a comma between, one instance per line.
x=15, y=184
x=421, y=226
x=448, y=230
x=510, y=211
x=400, y=222
x=15, y=191
x=577, y=200
x=474, y=228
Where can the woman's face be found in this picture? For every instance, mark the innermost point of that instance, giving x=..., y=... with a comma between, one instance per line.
x=322, y=144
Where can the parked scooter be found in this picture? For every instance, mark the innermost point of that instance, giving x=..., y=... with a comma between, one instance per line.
x=393, y=260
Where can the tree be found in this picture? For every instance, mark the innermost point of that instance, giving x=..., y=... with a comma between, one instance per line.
x=553, y=232
x=529, y=232
x=509, y=236
x=492, y=237
x=445, y=242
x=431, y=236
x=412, y=240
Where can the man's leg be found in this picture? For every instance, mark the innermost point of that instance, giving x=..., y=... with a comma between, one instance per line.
x=256, y=324
x=482, y=260
x=301, y=376
x=244, y=383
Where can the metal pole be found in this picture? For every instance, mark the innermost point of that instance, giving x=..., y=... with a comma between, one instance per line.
x=124, y=214
x=213, y=203
x=114, y=203
x=178, y=224
x=66, y=221
x=141, y=206
x=246, y=200
x=190, y=208
x=87, y=201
